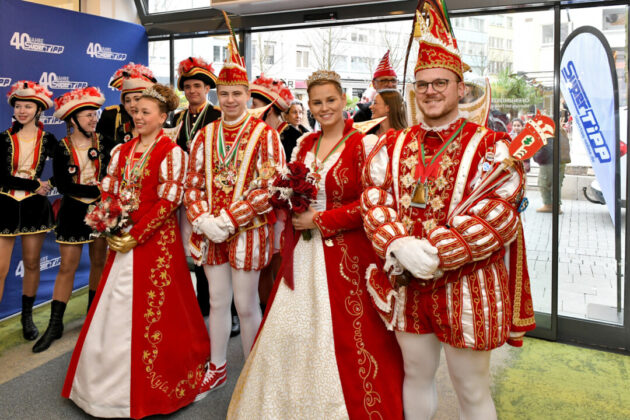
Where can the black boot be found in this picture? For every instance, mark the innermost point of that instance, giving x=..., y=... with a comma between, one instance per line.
x=29, y=329
x=55, y=327
x=91, y=294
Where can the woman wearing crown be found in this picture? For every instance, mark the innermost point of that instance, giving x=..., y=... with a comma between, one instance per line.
x=322, y=351
x=116, y=122
x=143, y=347
x=26, y=211
x=79, y=164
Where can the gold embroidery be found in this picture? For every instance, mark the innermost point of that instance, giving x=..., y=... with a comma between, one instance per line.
x=161, y=279
x=349, y=270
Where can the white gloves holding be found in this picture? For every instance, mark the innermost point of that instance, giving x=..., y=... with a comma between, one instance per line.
x=415, y=255
x=217, y=229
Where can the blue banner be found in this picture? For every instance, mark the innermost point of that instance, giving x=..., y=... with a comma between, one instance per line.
x=61, y=50
x=589, y=90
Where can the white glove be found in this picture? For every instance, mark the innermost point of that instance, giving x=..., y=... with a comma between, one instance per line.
x=210, y=227
x=418, y=256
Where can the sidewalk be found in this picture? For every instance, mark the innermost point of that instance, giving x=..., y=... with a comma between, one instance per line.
x=587, y=283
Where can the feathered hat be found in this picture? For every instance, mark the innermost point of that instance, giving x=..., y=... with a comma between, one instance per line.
x=195, y=68
x=384, y=68
x=233, y=71
x=132, y=78
x=272, y=91
x=437, y=43
x=77, y=100
x=25, y=90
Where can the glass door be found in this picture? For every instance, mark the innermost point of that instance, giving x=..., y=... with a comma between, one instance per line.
x=591, y=207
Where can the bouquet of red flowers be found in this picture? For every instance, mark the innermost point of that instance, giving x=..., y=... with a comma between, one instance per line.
x=109, y=217
x=294, y=189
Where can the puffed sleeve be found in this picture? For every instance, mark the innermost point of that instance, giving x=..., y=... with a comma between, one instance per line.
x=378, y=207
x=110, y=184
x=195, y=197
x=170, y=191
x=489, y=224
x=257, y=202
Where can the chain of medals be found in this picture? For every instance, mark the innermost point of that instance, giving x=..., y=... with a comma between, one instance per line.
x=132, y=172
x=317, y=164
x=425, y=174
x=224, y=171
x=191, y=129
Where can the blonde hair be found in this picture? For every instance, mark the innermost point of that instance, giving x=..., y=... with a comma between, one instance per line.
x=165, y=97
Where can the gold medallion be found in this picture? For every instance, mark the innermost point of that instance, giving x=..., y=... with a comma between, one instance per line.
x=420, y=195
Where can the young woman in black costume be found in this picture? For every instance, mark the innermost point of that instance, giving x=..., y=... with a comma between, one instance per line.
x=79, y=163
x=26, y=211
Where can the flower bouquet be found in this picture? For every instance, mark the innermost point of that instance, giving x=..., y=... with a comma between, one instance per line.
x=294, y=188
x=110, y=216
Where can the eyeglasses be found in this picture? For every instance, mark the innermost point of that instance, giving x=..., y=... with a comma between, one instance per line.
x=90, y=116
x=388, y=80
x=439, y=85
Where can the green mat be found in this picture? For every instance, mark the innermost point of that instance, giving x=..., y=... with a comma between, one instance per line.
x=546, y=380
x=11, y=329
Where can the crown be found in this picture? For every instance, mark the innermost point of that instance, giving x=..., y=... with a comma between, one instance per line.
x=323, y=75
x=151, y=92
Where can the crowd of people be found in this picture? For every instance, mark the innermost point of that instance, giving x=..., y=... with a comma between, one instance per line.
x=360, y=289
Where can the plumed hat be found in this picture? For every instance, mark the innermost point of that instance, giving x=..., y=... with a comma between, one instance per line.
x=25, y=90
x=132, y=78
x=78, y=100
x=195, y=68
x=272, y=91
x=233, y=71
x=437, y=43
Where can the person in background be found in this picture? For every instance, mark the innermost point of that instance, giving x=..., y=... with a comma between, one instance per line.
x=26, y=211
x=116, y=122
x=232, y=163
x=389, y=103
x=295, y=129
x=196, y=78
x=143, y=347
x=544, y=158
x=517, y=126
x=384, y=78
x=79, y=164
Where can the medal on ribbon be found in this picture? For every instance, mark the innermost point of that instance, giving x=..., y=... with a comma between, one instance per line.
x=426, y=173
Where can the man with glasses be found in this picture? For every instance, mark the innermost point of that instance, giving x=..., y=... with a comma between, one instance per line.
x=445, y=281
x=384, y=78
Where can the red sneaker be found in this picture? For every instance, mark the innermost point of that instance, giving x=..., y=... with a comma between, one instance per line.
x=214, y=379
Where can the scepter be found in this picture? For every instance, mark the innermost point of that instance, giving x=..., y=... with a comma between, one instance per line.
x=533, y=137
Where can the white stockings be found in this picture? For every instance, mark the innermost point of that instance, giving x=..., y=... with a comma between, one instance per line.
x=222, y=280
x=469, y=371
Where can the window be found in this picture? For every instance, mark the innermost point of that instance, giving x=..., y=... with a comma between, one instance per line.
x=476, y=24
x=358, y=37
x=340, y=63
x=360, y=64
x=548, y=33
x=508, y=22
x=301, y=57
x=269, y=52
x=614, y=19
x=216, y=54
x=494, y=42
